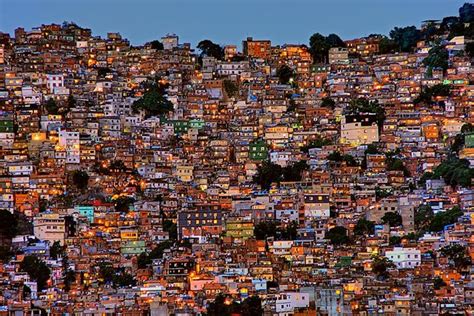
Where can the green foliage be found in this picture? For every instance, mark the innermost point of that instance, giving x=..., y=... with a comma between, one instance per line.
x=441, y=219
x=210, y=49
x=336, y=156
x=426, y=176
x=386, y=45
x=318, y=142
x=8, y=226
x=438, y=283
x=51, y=106
x=327, y=102
x=5, y=253
x=405, y=37
x=423, y=217
x=469, y=49
x=363, y=105
x=428, y=93
x=69, y=278
x=294, y=171
x=382, y=193
x=372, y=149
x=455, y=172
x=364, y=227
x=393, y=219
x=103, y=71
x=156, y=44
x=122, y=204
x=269, y=173
x=71, y=102
x=170, y=227
x=380, y=266
x=466, y=13
x=80, y=179
x=459, y=140
x=265, y=229
x=437, y=58
x=117, y=277
x=153, y=103
x=394, y=240
x=251, y=306
x=36, y=269
x=337, y=235
x=457, y=255
x=118, y=166
x=56, y=250
x=284, y=74
x=231, y=88
x=396, y=164
x=319, y=46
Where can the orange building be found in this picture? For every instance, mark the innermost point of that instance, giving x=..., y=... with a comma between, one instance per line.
x=256, y=48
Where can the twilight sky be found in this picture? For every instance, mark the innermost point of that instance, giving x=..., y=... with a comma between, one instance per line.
x=227, y=21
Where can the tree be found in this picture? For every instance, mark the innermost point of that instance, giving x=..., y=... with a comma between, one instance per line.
x=393, y=219
x=327, y=102
x=372, y=149
x=333, y=40
x=469, y=49
x=290, y=232
x=441, y=219
x=71, y=102
x=429, y=93
x=423, y=217
x=80, y=179
x=8, y=227
x=69, y=278
x=380, y=265
x=210, y=49
x=170, y=227
x=118, y=166
x=122, y=204
x=56, y=250
x=437, y=58
x=405, y=37
x=51, y=106
x=336, y=156
x=394, y=240
x=456, y=253
x=252, y=306
x=337, y=235
x=153, y=103
x=363, y=105
x=318, y=47
x=156, y=44
x=267, y=173
x=265, y=229
x=455, y=172
x=294, y=171
x=386, y=45
x=218, y=307
x=318, y=142
x=284, y=74
x=230, y=88
x=466, y=13
x=396, y=164
x=364, y=227
x=36, y=269
x=5, y=253
x=438, y=283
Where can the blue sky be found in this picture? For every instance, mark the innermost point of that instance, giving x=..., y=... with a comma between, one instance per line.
x=227, y=21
